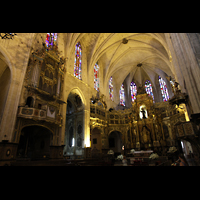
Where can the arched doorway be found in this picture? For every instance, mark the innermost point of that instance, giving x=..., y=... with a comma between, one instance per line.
x=190, y=148
x=74, y=127
x=34, y=142
x=115, y=141
x=186, y=147
x=96, y=143
x=5, y=80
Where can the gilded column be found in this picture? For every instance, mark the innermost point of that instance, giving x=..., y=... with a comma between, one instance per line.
x=153, y=133
x=58, y=86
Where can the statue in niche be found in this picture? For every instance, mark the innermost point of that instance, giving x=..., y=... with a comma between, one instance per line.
x=63, y=61
x=176, y=88
x=146, y=135
x=175, y=85
x=134, y=136
x=143, y=113
x=158, y=133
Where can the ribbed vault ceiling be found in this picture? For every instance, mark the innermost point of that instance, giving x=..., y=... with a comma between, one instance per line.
x=120, y=60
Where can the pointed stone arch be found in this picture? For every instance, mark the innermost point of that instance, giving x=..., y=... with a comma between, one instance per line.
x=6, y=72
x=5, y=56
x=79, y=92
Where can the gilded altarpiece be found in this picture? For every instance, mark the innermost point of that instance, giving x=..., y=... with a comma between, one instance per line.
x=146, y=125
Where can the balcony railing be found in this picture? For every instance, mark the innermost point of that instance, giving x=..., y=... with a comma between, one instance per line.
x=34, y=113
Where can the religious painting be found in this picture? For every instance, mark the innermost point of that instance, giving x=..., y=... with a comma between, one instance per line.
x=27, y=111
x=188, y=129
x=51, y=112
x=180, y=130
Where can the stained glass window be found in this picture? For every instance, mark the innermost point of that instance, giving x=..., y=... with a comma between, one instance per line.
x=51, y=40
x=78, y=61
x=111, y=88
x=96, y=77
x=122, y=97
x=133, y=88
x=149, y=89
x=163, y=87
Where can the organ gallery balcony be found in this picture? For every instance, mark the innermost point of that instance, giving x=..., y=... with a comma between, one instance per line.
x=38, y=114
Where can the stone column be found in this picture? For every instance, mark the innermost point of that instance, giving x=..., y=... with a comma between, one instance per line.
x=87, y=128
x=63, y=110
x=189, y=68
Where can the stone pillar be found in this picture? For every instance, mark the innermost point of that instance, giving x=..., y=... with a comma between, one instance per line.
x=189, y=68
x=63, y=113
x=87, y=128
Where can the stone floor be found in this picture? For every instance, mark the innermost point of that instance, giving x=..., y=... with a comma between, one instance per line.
x=92, y=162
x=63, y=162
x=81, y=162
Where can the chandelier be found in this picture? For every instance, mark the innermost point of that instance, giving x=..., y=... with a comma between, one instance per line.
x=7, y=35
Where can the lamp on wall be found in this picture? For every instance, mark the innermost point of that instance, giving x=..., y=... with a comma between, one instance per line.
x=7, y=35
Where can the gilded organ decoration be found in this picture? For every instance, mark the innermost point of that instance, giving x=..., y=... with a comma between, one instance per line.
x=45, y=72
x=42, y=90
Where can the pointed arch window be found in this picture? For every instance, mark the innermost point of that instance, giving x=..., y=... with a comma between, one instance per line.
x=96, y=77
x=122, y=96
x=51, y=40
x=164, y=90
x=111, y=88
x=149, y=89
x=133, y=88
x=78, y=61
